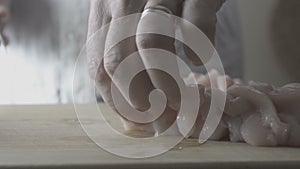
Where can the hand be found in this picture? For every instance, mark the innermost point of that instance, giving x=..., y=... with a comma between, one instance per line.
x=201, y=13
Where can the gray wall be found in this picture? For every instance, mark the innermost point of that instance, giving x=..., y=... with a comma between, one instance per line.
x=46, y=37
x=260, y=59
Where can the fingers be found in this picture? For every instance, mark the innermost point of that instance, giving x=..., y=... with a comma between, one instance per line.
x=164, y=24
x=119, y=46
x=140, y=86
x=121, y=8
x=201, y=13
x=97, y=33
x=100, y=33
x=174, y=6
x=161, y=22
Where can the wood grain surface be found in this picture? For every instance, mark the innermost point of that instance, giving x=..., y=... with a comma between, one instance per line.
x=51, y=137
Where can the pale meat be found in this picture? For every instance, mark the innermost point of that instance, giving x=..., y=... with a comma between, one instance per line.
x=256, y=113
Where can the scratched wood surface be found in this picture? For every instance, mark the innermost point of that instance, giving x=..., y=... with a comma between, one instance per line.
x=51, y=137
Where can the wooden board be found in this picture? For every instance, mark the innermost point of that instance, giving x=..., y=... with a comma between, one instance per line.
x=51, y=137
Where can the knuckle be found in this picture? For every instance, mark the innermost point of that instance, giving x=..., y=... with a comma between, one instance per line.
x=93, y=61
x=111, y=61
x=119, y=8
x=97, y=71
x=126, y=7
x=94, y=69
x=101, y=77
x=110, y=67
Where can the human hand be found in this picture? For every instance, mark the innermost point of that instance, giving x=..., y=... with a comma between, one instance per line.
x=201, y=13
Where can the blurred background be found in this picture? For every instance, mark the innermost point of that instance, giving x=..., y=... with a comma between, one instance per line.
x=271, y=34
x=46, y=37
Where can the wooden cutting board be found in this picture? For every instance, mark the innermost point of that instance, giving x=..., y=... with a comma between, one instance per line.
x=51, y=137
